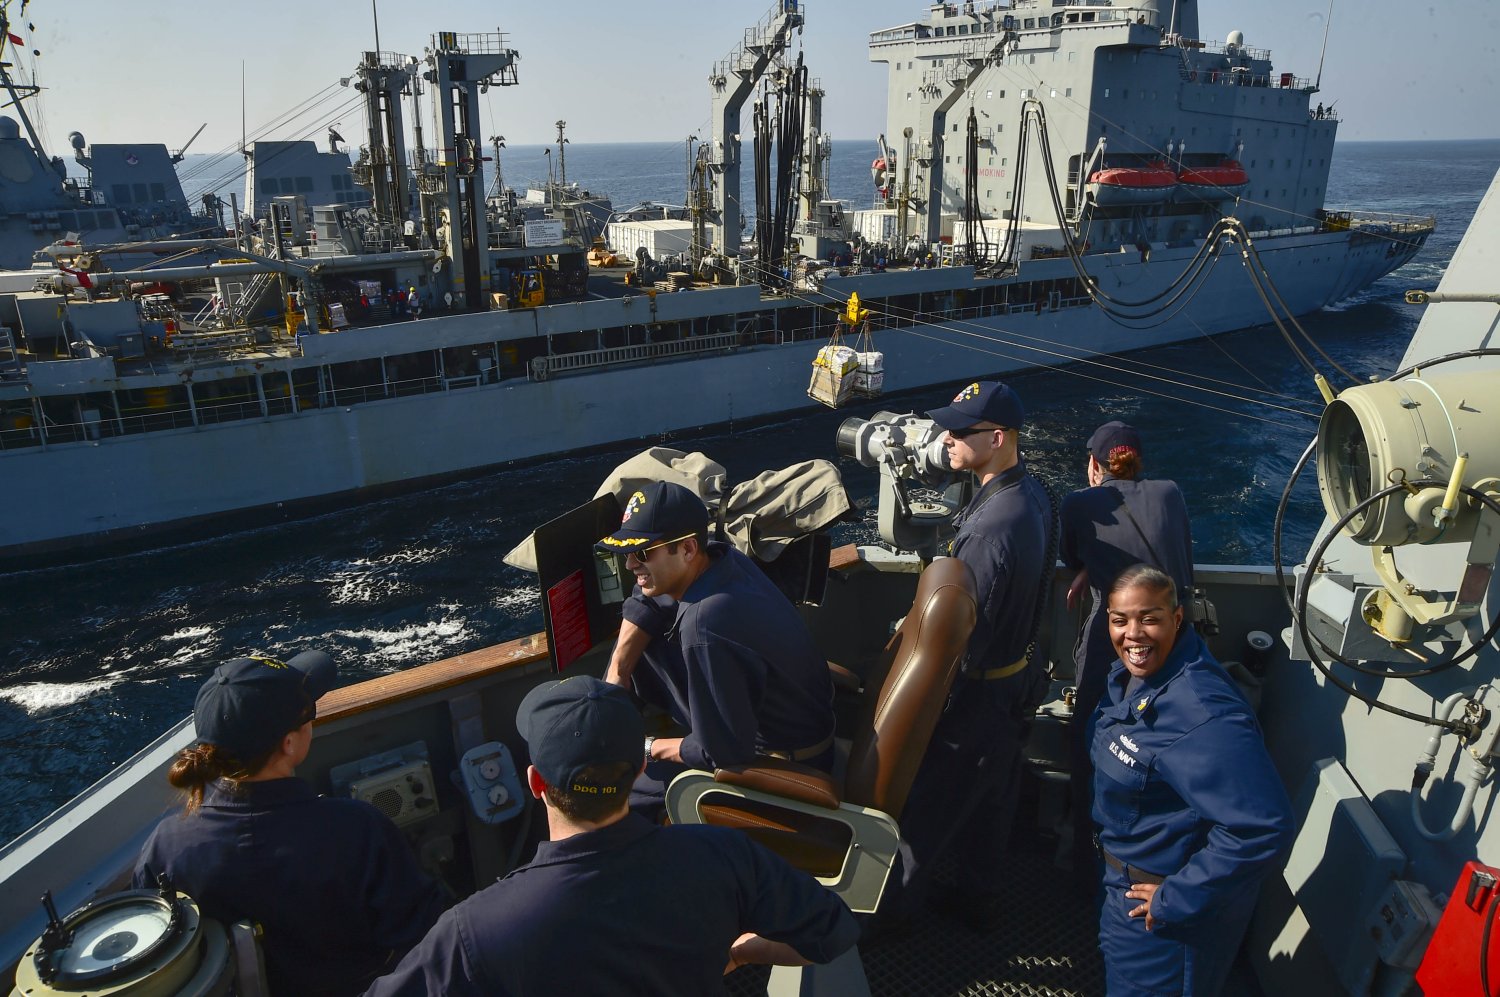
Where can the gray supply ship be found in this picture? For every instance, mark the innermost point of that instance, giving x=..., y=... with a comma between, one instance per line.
x=1372, y=661
x=431, y=334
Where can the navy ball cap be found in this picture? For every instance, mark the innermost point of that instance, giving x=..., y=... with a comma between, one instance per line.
x=576, y=722
x=982, y=401
x=249, y=704
x=657, y=513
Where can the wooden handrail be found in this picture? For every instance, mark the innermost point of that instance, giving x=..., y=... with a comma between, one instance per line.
x=432, y=677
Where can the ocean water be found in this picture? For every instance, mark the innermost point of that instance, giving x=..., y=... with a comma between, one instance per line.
x=98, y=659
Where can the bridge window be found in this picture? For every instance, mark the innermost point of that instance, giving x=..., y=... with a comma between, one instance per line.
x=120, y=193
x=304, y=185
x=142, y=193
x=158, y=192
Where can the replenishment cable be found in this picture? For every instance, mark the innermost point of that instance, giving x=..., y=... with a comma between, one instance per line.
x=972, y=330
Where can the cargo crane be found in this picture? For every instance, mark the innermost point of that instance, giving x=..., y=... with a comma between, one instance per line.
x=732, y=82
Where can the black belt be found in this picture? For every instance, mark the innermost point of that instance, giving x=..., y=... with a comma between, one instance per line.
x=1132, y=873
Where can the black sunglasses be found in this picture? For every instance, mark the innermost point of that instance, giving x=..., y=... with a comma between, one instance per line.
x=963, y=434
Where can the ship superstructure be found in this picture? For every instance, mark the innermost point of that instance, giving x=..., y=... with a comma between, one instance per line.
x=1127, y=88
x=362, y=348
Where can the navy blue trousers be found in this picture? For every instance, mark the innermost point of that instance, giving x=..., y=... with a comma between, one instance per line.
x=963, y=799
x=1187, y=960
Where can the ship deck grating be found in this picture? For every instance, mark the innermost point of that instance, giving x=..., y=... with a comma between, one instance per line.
x=1046, y=945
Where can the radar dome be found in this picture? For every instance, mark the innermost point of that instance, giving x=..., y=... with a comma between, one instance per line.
x=9, y=128
x=1235, y=40
x=77, y=141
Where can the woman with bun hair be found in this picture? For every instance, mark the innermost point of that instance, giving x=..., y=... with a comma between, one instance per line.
x=331, y=881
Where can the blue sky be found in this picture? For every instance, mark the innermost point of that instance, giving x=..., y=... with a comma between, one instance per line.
x=635, y=70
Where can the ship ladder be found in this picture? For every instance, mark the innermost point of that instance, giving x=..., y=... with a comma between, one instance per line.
x=10, y=358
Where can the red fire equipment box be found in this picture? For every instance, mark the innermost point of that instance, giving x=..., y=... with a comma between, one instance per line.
x=1466, y=935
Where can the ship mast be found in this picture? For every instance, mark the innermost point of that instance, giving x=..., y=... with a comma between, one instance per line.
x=15, y=96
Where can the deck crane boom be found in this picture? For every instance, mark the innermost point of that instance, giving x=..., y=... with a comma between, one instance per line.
x=731, y=83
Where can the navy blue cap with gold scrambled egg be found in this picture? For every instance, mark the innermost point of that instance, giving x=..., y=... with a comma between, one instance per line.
x=657, y=513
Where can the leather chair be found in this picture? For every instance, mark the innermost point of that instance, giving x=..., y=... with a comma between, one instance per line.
x=847, y=834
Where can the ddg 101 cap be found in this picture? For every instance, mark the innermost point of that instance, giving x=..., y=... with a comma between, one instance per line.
x=658, y=513
x=982, y=401
x=1113, y=436
x=249, y=704
x=576, y=722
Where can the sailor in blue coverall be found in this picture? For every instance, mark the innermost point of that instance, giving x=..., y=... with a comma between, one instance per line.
x=1192, y=814
x=964, y=795
x=726, y=653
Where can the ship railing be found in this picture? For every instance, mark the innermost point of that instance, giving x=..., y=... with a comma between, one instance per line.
x=480, y=43
x=543, y=368
x=1219, y=48
x=385, y=60
x=1381, y=221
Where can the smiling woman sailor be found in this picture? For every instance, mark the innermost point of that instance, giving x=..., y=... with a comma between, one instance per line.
x=335, y=887
x=1192, y=814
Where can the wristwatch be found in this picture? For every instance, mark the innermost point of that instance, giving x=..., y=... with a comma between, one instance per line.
x=650, y=740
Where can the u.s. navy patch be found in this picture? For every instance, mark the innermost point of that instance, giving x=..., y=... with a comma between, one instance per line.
x=972, y=391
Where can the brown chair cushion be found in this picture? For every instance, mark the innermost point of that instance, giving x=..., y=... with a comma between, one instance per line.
x=912, y=679
x=782, y=778
x=843, y=679
x=816, y=845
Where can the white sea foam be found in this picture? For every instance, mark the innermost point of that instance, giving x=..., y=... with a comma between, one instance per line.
x=39, y=697
x=189, y=633
x=414, y=644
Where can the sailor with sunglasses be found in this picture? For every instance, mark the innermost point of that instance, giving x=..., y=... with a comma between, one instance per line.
x=708, y=638
x=964, y=794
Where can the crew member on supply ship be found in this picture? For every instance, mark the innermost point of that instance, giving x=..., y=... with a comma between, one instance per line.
x=1121, y=519
x=725, y=652
x=1192, y=815
x=612, y=903
x=331, y=881
x=964, y=794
